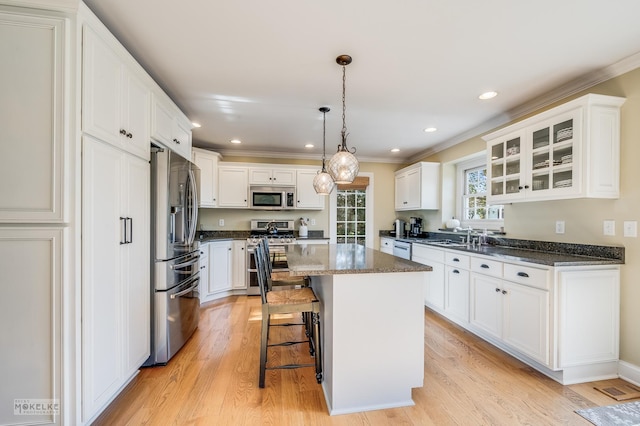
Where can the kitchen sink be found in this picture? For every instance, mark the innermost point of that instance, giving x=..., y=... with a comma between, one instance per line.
x=446, y=243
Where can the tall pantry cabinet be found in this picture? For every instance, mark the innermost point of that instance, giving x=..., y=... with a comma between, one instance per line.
x=36, y=212
x=75, y=114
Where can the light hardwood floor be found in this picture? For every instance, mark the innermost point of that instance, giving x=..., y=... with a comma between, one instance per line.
x=213, y=380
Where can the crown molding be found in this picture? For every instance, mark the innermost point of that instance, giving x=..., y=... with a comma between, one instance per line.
x=571, y=88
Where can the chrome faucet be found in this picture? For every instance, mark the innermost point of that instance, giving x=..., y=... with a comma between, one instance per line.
x=468, y=235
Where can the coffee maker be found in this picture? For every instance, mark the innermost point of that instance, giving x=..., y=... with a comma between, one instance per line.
x=415, y=226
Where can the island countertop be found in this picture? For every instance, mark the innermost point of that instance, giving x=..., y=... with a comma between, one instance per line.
x=334, y=259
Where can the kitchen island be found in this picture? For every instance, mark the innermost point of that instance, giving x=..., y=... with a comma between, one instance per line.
x=372, y=324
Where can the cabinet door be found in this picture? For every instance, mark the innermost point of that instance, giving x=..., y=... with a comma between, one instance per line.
x=239, y=268
x=181, y=140
x=401, y=192
x=434, y=288
x=260, y=176
x=386, y=245
x=486, y=301
x=203, y=286
x=507, y=169
x=219, y=266
x=136, y=258
x=161, y=120
x=102, y=89
x=136, y=116
x=456, y=300
x=233, y=187
x=526, y=320
x=284, y=177
x=307, y=198
x=553, y=157
x=208, y=165
x=103, y=178
x=413, y=189
x=32, y=262
x=34, y=131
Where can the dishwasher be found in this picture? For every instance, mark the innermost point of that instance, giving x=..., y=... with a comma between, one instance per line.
x=402, y=249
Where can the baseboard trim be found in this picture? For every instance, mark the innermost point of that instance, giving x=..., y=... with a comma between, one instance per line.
x=629, y=372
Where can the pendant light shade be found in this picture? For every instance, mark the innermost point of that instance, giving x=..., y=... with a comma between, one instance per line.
x=323, y=182
x=343, y=166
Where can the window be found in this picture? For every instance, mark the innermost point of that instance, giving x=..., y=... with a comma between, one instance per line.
x=351, y=216
x=474, y=210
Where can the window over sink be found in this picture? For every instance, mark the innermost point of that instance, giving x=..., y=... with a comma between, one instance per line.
x=472, y=206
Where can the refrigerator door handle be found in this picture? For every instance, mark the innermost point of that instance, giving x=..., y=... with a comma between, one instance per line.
x=193, y=208
x=188, y=290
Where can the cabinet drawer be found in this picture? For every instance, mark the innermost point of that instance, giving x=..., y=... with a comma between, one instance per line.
x=486, y=266
x=458, y=260
x=533, y=277
x=427, y=253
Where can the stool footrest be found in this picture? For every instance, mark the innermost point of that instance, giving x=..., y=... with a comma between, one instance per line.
x=289, y=366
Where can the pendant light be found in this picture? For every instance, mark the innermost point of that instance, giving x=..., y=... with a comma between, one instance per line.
x=343, y=166
x=323, y=182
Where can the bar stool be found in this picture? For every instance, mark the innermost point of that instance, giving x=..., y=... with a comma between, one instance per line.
x=287, y=301
x=282, y=280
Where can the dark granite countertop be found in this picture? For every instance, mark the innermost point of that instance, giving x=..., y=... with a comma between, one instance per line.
x=333, y=259
x=539, y=252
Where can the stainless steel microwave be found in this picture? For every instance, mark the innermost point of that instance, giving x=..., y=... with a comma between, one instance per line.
x=272, y=197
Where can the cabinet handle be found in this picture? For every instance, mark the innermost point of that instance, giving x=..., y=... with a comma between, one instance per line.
x=129, y=135
x=202, y=267
x=520, y=187
x=485, y=266
x=497, y=290
x=526, y=187
x=130, y=230
x=123, y=132
x=455, y=271
x=455, y=259
x=504, y=291
x=523, y=274
x=124, y=230
x=177, y=141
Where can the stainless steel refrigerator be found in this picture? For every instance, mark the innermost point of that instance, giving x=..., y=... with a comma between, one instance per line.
x=175, y=253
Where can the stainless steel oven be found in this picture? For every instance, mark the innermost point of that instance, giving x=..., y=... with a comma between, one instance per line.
x=280, y=234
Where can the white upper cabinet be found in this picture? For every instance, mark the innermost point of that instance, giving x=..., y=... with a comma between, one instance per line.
x=417, y=187
x=34, y=126
x=571, y=151
x=116, y=99
x=169, y=126
x=306, y=196
x=207, y=162
x=233, y=187
x=268, y=176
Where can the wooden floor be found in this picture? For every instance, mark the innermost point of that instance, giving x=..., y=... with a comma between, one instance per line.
x=213, y=380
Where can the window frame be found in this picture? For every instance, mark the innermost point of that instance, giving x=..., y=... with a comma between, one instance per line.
x=461, y=168
x=369, y=212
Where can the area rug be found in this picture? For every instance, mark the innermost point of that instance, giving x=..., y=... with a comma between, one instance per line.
x=627, y=414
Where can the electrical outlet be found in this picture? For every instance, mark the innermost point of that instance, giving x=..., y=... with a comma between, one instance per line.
x=630, y=228
x=221, y=222
x=313, y=222
x=559, y=226
x=609, y=227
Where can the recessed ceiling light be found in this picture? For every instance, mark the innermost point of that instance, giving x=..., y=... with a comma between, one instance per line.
x=395, y=150
x=236, y=141
x=309, y=145
x=488, y=95
x=430, y=129
x=194, y=124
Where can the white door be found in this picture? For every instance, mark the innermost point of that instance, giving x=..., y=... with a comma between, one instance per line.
x=486, y=304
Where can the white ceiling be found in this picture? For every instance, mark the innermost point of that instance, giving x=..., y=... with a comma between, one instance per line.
x=259, y=70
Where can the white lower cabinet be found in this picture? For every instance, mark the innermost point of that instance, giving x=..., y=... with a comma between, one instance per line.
x=563, y=321
x=386, y=245
x=219, y=266
x=115, y=271
x=434, y=282
x=204, y=272
x=239, y=265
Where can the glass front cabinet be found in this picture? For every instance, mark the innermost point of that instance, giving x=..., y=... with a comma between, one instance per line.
x=569, y=151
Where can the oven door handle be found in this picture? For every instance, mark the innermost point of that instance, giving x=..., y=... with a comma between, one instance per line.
x=185, y=264
x=188, y=290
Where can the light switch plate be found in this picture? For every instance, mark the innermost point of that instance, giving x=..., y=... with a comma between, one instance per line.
x=609, y=227
x=630, y=228
x=559, y=226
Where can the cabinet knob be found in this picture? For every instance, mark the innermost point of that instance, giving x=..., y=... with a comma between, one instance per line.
x=497, y=290
x=520, y=187
x=504, y=291
x=129, y=135
x=526, y=187
x=123, y=132
x=177, y=141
